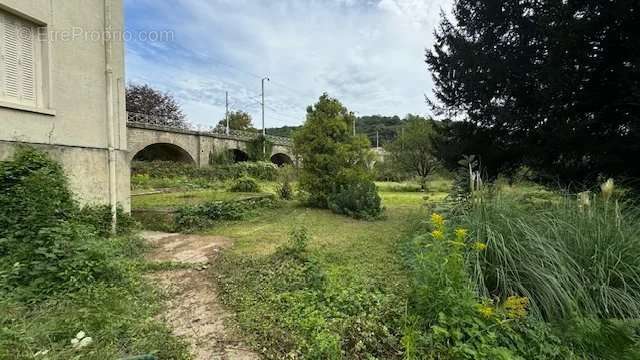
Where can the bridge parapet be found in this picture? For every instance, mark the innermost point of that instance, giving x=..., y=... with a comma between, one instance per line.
x=167, y=124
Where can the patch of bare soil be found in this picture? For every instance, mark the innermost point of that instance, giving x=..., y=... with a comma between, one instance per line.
x=193, y=310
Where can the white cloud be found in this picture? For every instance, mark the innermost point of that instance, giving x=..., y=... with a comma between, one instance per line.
x=369, y=54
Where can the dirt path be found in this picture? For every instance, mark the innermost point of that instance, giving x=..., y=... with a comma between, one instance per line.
x=193, y=310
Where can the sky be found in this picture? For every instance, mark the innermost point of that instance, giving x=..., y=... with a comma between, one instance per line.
x=367, y=53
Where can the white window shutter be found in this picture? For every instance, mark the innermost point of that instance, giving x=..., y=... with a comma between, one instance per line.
x=18, y=61
x=2, y=62
x=11, y=54
x=26, y=42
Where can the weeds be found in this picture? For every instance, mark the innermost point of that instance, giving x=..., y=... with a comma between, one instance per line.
x=294, y=307
x=65, y=290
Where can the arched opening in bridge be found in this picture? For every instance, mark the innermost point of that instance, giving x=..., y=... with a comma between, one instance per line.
x=164, y=152
x=238, y=155
x=281, y=159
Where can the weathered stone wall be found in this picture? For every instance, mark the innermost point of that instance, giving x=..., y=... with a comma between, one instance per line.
x=86, y=169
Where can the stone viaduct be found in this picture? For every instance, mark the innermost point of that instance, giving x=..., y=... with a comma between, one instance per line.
x=148, y=141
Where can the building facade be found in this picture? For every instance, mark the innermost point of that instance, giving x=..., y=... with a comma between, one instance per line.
x=62, y=90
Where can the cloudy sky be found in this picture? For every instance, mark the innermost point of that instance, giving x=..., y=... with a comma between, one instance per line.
x=367, y=53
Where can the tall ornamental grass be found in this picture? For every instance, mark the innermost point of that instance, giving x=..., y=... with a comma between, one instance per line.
x=568, y=257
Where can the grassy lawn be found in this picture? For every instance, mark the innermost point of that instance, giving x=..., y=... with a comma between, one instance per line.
x=284, y=309
x=346, y=246
x=393, y=195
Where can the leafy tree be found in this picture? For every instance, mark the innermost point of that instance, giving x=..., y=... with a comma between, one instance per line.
x=332, y=156
x=238, y=120
x=554, y=85
x=143, y=99
x=413, y=150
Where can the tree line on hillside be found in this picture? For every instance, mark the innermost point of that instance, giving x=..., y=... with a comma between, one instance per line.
x=377, y=128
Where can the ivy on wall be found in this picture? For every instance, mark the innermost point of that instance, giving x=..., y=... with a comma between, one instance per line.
x=259, y=149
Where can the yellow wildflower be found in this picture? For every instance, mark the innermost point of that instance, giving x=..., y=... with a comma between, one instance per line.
x=461, y=234
x=479, y=246
x=486, y=311
x=437, y=220
x=516, y=307
x=437, y=234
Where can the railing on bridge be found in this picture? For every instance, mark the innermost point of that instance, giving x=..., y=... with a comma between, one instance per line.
x=170, y=124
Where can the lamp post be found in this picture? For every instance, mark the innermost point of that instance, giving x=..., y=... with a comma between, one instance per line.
x=264, y=130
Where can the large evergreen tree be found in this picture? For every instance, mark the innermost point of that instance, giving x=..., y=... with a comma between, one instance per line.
x=331, y=155
x=551, y=84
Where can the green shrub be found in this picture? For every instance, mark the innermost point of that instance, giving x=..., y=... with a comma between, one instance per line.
x=34, y=194
x=390, y=171
x=192, y=218
x=329, y=150
x=59, y=277
x=260, y=170
x=99, y=216
x=246, y=185
x=358, y=199
x=259, y=149
x=46, y=243
x=285, y=191
x=286, y=175
x=298, y=241
x=399, y=187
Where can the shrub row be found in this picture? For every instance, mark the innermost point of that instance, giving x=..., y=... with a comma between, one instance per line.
x=196, y=217
x=167, y=169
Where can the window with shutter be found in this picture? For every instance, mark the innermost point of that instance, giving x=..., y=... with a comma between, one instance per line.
x=18, y=61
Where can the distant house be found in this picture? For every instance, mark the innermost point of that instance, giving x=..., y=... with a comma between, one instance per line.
x=62, y=90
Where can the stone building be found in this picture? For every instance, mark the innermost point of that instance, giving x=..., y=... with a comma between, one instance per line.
x=62, y=90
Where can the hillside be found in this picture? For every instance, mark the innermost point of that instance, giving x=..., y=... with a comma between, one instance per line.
x=387, y=127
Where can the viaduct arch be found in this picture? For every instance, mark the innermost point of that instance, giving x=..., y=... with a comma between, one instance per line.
x=151, y=142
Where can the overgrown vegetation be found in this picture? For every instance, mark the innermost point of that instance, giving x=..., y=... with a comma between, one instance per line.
x=197, y=217
x=162, y=174
x=259, y=149
x=59, y=275
x=568, y=258
x=287, y=175
x=312, y=296
x=448, y=320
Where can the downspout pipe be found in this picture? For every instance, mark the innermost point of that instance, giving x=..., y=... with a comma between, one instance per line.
x=108, y=50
